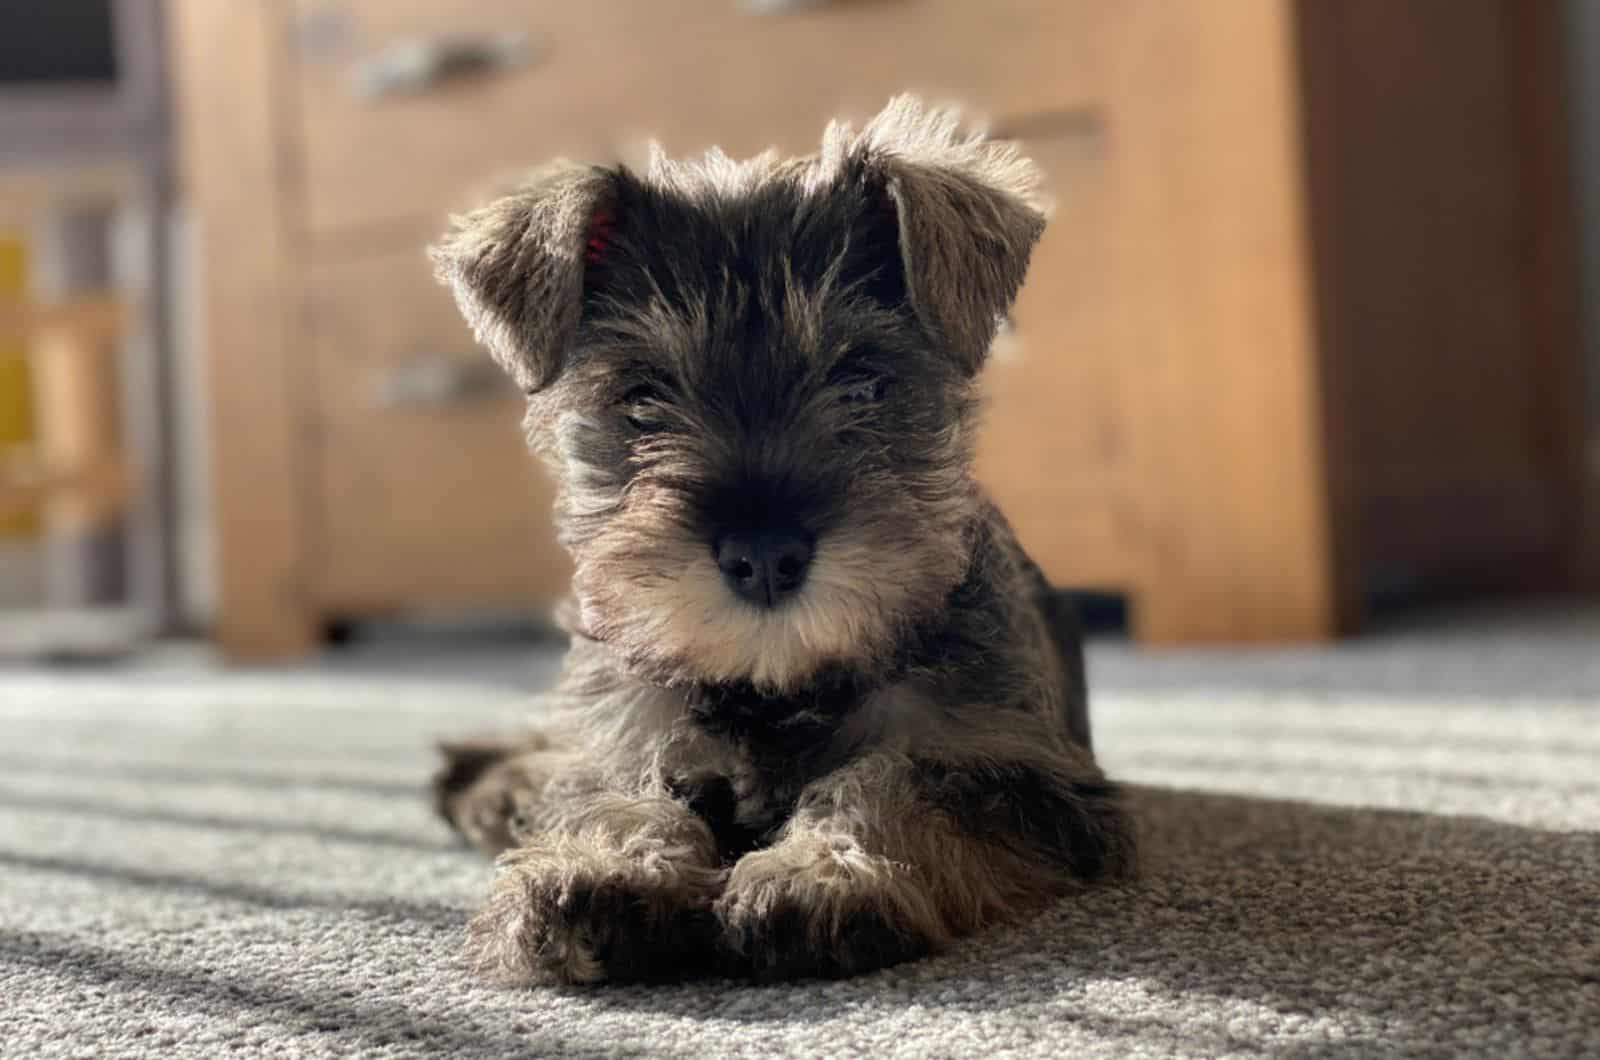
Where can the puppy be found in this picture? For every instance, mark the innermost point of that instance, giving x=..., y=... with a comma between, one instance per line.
x=821, y=713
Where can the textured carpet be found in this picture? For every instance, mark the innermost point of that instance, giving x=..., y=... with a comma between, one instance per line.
x=1394, y=846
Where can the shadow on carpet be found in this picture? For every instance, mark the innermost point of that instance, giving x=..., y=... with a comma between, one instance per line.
x=1258, y=925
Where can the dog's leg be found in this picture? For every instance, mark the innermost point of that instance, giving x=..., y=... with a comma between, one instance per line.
x=620, y=890
x=891, y=856
x=492, y=790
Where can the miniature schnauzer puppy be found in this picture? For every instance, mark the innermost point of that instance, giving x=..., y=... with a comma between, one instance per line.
x=820, y=713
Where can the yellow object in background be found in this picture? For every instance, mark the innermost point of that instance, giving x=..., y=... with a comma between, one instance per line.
x=16, y=412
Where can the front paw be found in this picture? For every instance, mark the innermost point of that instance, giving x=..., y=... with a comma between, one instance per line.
x=488, y=791
x=822, y=909
x=561, y=913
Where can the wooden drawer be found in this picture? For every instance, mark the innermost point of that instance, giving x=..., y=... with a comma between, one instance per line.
x=422, y=490
x=1057, y=449
x=606, y=74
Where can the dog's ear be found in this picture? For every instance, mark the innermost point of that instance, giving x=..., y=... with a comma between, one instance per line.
x=966, y=213
x=518, y=265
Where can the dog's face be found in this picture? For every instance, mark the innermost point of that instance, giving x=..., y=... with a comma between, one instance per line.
x=755, y=385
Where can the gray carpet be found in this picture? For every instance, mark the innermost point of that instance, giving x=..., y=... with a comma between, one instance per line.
x=1393, y=847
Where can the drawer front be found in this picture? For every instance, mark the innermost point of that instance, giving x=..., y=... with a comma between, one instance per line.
x=592, y=80
x=1056, y=450
x=423, y=492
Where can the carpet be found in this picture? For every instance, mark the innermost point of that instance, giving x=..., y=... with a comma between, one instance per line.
x=1392, y=848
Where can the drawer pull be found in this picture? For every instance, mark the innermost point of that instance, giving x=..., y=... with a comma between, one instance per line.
x=417, y=65
x=431, y=382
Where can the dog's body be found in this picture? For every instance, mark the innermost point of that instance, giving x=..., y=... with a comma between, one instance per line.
x=821, y=712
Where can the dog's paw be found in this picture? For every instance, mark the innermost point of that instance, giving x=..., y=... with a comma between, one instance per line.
x=812, y=909
x=487, y=791
x=561, y=914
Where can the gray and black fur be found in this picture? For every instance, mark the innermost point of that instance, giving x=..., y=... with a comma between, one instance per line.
x=850, y=763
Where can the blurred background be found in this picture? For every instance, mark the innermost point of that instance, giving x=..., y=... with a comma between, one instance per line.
x=1301, y=399
x=1306, y=346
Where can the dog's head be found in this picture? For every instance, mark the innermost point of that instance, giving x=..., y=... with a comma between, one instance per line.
x=754, y=382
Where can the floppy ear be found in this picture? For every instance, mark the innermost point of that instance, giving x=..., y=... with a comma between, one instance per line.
x=517, y=266
x=967, y=211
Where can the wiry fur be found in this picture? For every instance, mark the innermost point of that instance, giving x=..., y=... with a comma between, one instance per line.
x=897, y=755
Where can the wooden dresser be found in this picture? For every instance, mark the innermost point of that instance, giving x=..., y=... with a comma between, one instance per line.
x=1302, y=323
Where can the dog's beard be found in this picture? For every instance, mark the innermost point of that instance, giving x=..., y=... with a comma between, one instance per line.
x=661, y=602
x=648, y=586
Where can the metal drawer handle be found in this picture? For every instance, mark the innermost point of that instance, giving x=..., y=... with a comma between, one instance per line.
x=420, y=64
x=429, y=382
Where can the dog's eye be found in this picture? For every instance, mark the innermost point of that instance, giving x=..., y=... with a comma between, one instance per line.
x=642, y=406
x=862, y=389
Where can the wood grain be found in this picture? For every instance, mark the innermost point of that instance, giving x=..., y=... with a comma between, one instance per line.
x=228, y=93
x=1057, y=448
x=607, y=76
x=1212, y=217
x=1442, y=223
x=425, y=503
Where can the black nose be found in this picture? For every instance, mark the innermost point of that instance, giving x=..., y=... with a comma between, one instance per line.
x=764, y=567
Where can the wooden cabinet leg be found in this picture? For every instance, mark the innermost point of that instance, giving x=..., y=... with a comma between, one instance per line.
x=259, y=634
x=1175, y=614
